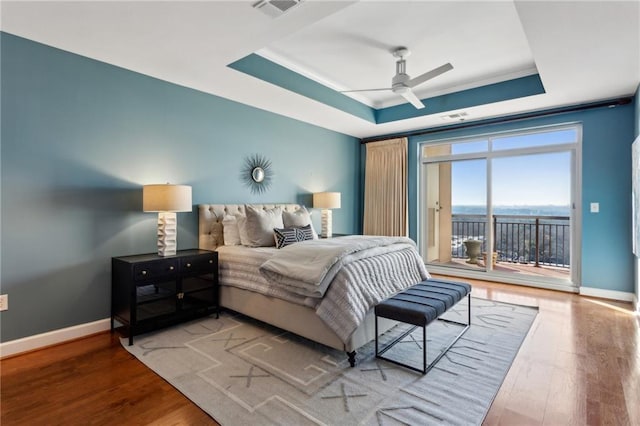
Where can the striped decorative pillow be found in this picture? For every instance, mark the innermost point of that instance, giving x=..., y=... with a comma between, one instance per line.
x=288, y=236
x=307, y=232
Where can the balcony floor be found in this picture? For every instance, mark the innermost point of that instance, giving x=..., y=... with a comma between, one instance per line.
x=516, y=268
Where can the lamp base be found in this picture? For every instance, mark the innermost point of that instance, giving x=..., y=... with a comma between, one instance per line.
x=167, y=234
x=326, y=222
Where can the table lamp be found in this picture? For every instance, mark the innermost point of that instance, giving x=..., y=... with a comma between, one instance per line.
x=166, y=200
x=326, y=201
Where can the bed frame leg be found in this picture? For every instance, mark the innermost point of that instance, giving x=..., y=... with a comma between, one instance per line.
x=352, y=358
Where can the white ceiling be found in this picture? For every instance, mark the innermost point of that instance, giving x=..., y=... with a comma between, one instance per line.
x=352, y=49
x=584, y=51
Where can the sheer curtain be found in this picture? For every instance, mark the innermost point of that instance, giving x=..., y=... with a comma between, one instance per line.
x=385, y=188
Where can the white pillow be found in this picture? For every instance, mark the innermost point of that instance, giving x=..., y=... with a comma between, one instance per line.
x=298, y=219
x=230, y=230
x=260, y=224
x=242, y=229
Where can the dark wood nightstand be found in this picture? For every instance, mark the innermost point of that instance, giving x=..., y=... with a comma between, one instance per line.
x=150, y=291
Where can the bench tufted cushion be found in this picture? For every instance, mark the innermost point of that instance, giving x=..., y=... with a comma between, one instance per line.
x=423, y=302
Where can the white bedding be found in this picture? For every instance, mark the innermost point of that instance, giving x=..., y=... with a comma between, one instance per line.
x=355, y=287
x=239, y=266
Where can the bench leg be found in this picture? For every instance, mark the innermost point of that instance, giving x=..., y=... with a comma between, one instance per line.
x=425, y=367
x=352, y=358
x=424, y=350
x=398, y=339
x=453, y=342
x=376, y=336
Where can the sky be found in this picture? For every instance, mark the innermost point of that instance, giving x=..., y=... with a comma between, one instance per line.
x=538, y=179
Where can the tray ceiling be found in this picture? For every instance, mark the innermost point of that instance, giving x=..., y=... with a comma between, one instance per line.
x=582, y=51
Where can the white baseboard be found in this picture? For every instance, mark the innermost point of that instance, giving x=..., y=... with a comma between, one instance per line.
x=38, y=341
x=607, y=294
x=49, y=338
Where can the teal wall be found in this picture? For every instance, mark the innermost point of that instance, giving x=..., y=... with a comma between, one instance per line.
x=607, y=259
x=79, y=139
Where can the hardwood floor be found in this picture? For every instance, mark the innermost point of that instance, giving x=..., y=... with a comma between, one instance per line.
x=90, y=381
x=580, y=364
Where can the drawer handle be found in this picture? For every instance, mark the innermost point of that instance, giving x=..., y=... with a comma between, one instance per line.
x=188, y=265
x=210, y=261
x=171, y=268
x=144, y=272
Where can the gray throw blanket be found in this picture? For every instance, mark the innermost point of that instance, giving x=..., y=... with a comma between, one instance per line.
x=362, y=284
x=352, y=273
x=308, y=267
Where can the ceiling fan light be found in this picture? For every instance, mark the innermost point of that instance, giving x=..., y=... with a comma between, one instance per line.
x=399, y=88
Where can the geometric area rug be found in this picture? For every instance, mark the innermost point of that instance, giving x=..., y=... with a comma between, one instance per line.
x=244, y=372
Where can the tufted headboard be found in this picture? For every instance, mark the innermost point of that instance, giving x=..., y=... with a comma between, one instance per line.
x=210, y=220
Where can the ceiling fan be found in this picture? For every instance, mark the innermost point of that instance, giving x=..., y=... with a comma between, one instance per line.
x=402, y=84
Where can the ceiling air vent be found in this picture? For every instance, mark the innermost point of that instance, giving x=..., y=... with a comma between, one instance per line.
x=275, y=8
x=460, y=116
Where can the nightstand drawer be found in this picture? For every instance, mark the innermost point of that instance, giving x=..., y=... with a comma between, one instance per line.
x=153, y=270
x=198, y=265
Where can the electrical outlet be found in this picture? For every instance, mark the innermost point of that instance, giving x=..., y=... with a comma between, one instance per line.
x=4, y=302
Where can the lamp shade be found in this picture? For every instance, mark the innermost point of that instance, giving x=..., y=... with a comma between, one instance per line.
x=166, y=198
x=326, y=200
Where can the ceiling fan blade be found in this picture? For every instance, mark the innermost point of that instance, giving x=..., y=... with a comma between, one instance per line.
x=365, y=90
x=429, y=75
x=411, y=97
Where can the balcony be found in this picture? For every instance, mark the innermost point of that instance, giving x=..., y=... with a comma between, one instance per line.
x=537, y=245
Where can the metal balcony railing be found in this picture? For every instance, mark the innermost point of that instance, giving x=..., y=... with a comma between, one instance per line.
x=538, y=240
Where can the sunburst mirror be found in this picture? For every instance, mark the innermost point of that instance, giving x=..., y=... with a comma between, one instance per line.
x=257, y=173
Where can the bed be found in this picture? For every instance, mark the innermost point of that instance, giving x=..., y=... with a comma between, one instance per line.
x=238, y=289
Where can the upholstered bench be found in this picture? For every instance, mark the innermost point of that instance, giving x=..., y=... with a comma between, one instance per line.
x=419, y=305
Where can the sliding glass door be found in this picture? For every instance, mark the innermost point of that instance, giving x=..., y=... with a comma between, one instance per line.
x=532, y=214
x=502, y=205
